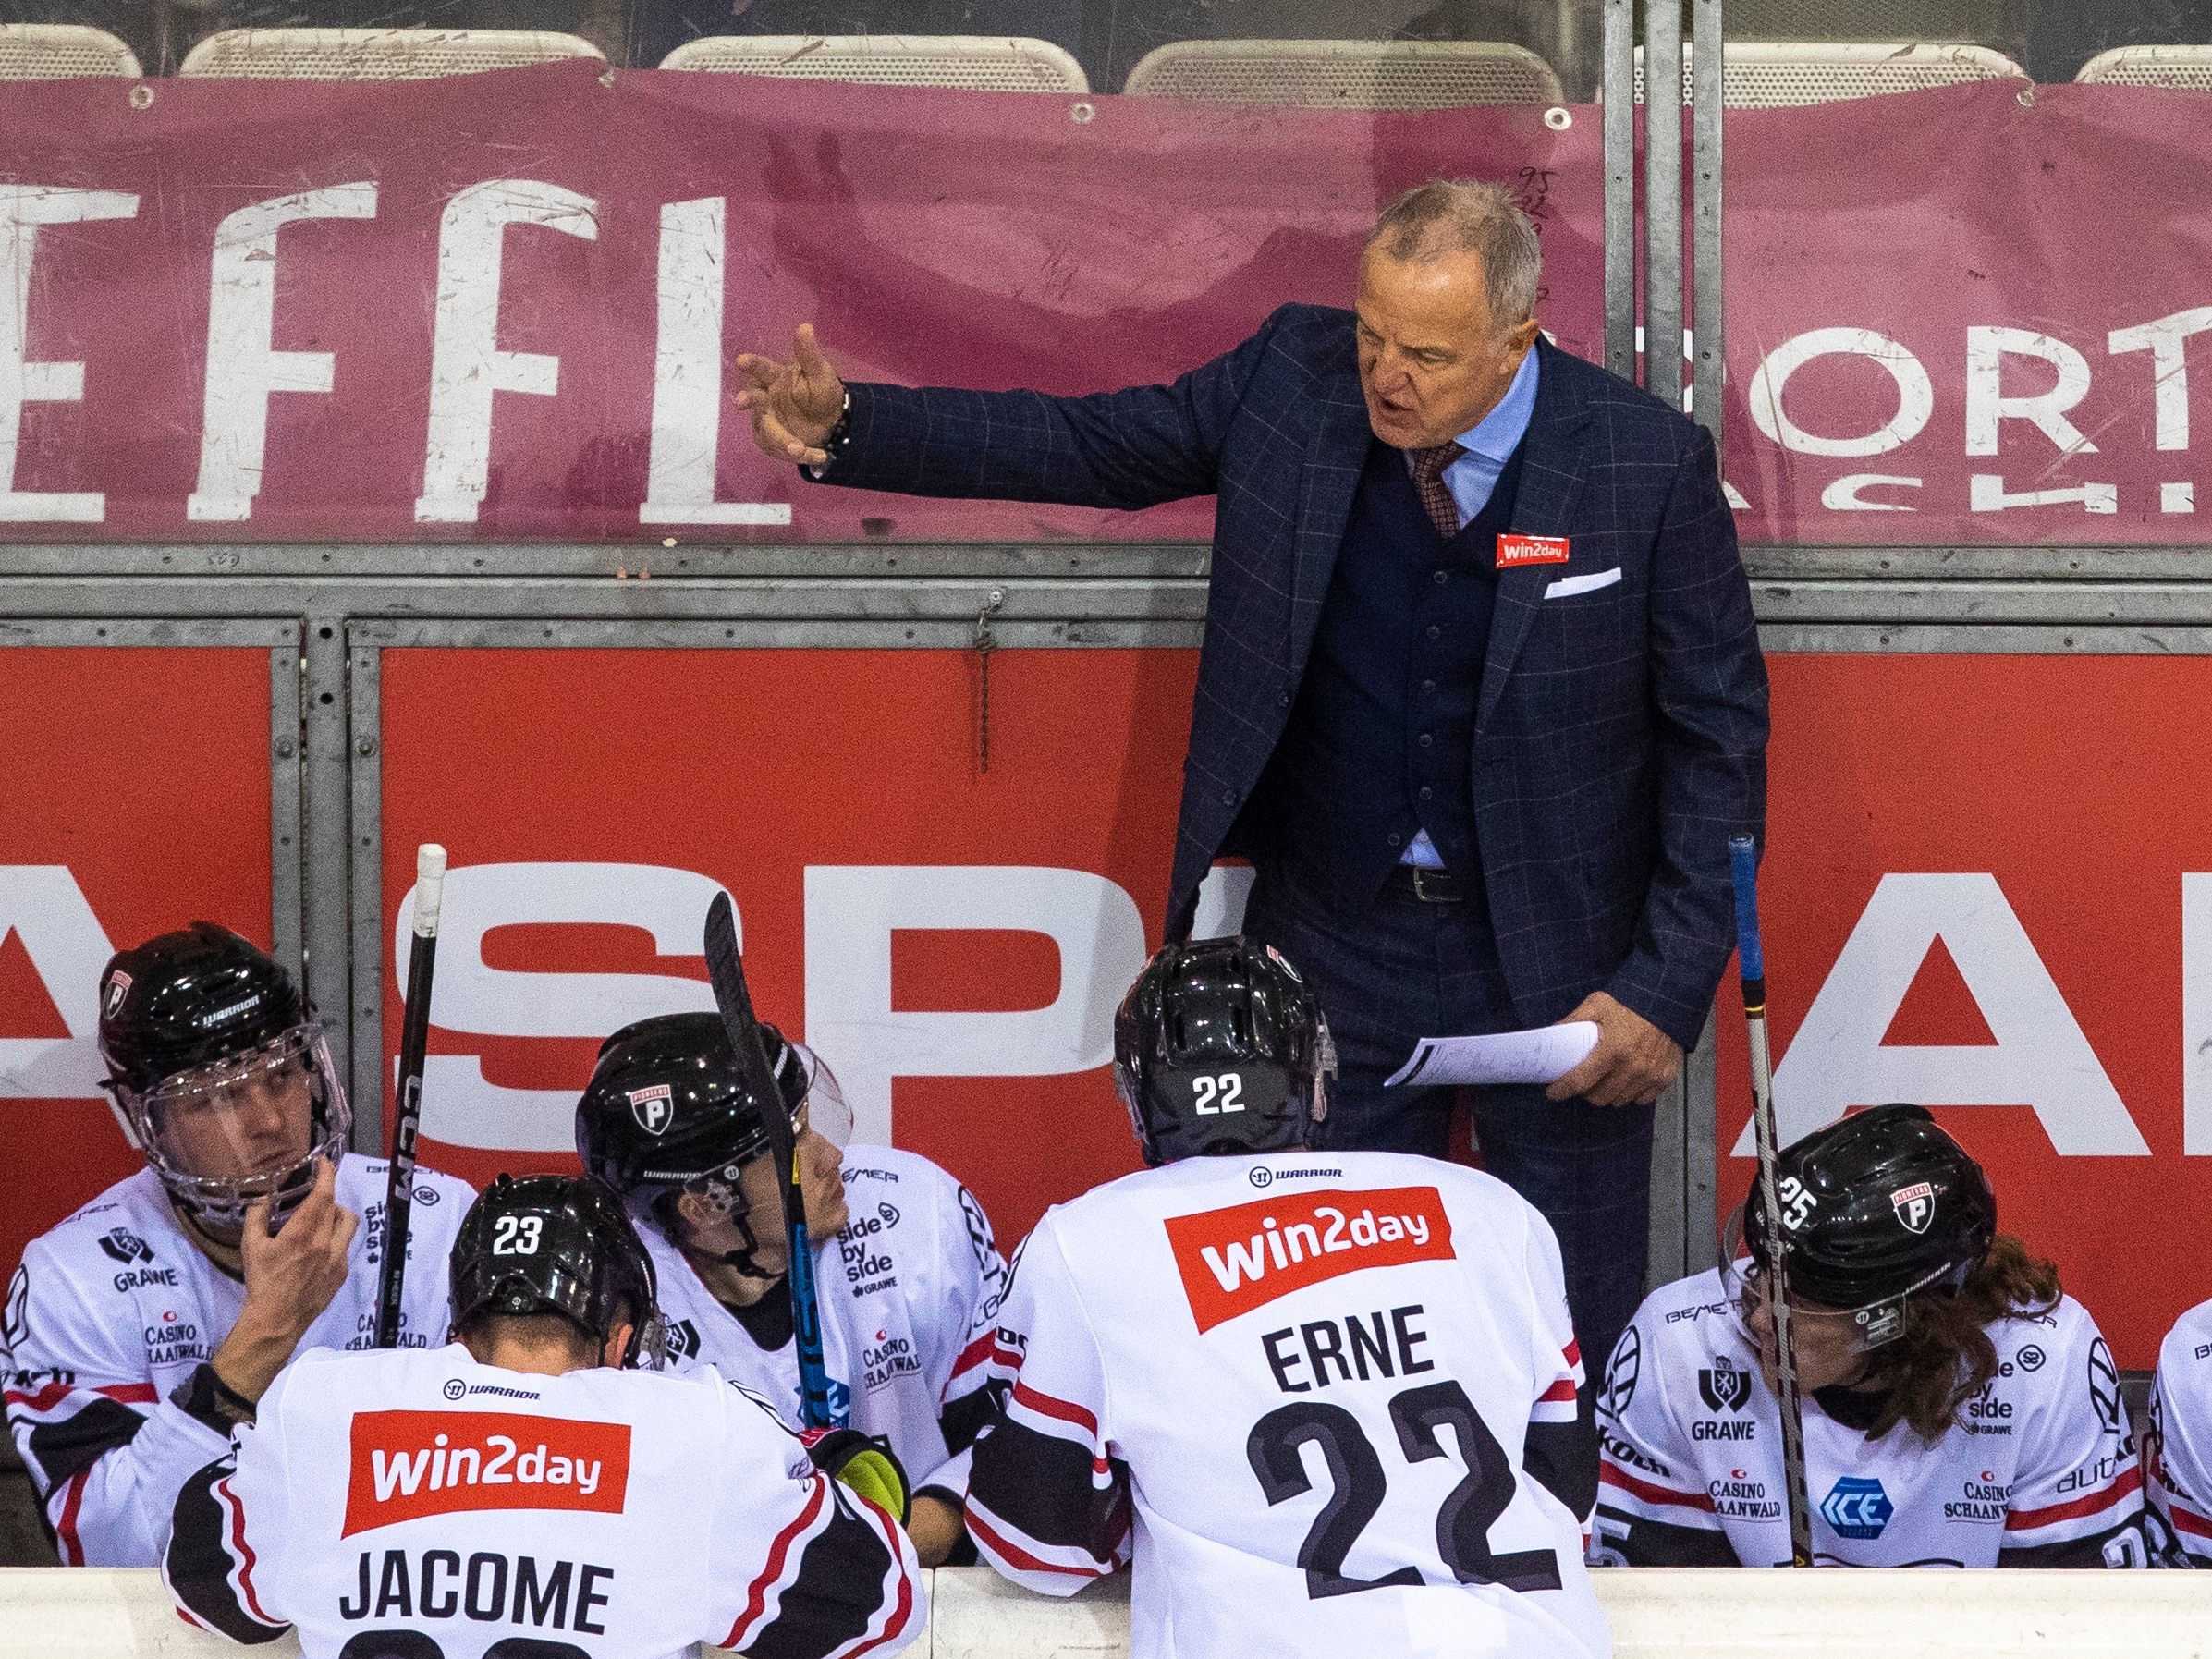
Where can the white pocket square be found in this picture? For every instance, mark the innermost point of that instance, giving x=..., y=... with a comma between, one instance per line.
x=1567, y=587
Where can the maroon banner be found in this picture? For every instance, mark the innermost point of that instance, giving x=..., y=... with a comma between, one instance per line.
x=1967, y=315
x=499, y=306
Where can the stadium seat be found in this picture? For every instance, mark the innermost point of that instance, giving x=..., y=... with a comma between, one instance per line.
x=2189, y=67
x=1785, y=74
x=1347, y=73
x=62, y=52
x=375, y=54
x=970, y=63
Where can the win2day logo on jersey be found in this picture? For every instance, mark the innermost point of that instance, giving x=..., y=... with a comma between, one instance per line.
x=409, y=1464
x=1235, y=1260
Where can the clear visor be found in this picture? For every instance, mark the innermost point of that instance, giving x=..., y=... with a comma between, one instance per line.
x=1838, y=1332
x=245, y=1127
x=823, y=1111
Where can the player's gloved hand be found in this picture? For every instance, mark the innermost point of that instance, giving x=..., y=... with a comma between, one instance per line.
x=864, y=1462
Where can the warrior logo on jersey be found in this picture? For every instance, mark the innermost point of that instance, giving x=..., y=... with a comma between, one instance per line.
x=1916, y=1206
x=1621, y=1374
x=2103, y=1387
x=1857, y=1507
x=123, y=1245
x=1724, y=1388
x=654, y=1107
x=118, y=989
x=681, y=1340
x=1244, y=1257
x=409, y=1464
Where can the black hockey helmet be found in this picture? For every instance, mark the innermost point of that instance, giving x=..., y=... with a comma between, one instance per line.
x=185, y=998
x=1875, y=1208
x=199, y=1029
x=554, y=1244
x=667, y=1104
x=1219, y=1048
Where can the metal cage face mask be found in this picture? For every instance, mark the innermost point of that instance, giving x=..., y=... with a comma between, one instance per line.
x=1848, y=1332
x=247, y=1127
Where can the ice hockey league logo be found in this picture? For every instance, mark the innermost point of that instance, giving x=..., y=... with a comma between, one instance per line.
x=1916, y=1206
x=654, y=1107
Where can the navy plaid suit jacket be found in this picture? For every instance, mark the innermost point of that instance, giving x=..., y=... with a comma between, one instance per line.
x=1620, y=731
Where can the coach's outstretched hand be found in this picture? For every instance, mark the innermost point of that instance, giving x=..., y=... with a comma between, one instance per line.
x=794, y=405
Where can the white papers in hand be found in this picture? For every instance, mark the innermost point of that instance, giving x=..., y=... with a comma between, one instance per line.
x=1542, y=1056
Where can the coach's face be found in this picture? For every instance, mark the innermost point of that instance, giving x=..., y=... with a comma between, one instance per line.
x=1433, y=361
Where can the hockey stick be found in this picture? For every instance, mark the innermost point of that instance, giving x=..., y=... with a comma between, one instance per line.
x=1743, y=862
x=725, y=972
x=414, y=1038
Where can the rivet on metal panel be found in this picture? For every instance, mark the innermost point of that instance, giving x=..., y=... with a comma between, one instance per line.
x=1081, y=114
x=284, y=748
x=1559, y=118
x=365, y=746
x=142, y=97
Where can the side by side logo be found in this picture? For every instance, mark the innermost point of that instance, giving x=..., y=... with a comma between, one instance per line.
x=409, y=1464
x=1235, y=1260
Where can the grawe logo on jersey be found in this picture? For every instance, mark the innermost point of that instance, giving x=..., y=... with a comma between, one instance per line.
x=1235, y=1260
x=409, y=1464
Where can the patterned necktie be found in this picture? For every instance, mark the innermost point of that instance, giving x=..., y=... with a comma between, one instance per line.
x=1436, y=497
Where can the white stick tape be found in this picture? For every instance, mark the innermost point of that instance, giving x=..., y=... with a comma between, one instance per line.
x=430, y=887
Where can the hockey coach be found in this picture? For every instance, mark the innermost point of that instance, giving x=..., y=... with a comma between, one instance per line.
x=1481, y=697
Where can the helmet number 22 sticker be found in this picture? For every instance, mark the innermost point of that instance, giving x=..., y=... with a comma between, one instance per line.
x=1214, y=1095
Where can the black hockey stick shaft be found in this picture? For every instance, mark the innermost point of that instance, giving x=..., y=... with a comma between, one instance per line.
x=414, y=1040
x=1743, y=866
x=726, y=972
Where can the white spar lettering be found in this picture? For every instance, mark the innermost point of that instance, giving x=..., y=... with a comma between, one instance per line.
x=468, y=1466
x=1301, y=1239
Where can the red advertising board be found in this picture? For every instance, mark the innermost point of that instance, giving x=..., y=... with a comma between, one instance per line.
x=136, y=799
x=952, y=940
x=1982, y=892
x=501, y=305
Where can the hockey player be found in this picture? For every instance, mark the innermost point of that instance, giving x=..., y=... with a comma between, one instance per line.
x=1959, y=1410
x=520, y=1495
x=1328, y=1400
x=143, y=1327
x=906, y=1270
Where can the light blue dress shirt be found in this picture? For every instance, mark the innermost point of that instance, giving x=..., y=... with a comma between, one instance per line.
x=1489, y=444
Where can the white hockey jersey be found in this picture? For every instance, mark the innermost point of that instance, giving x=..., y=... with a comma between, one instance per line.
x=115, y=1307
x=909, y=1291
x=416, y=1502
x=2040, y=1470
x=2177, y=1469
x=1337, y=1390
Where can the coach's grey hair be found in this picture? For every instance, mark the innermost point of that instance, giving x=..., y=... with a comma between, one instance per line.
x=1468, y=215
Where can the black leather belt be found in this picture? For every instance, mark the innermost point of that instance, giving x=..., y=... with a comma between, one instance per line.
x=1430, y=886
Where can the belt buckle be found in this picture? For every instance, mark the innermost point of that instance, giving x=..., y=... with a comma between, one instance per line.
x=1421, y=892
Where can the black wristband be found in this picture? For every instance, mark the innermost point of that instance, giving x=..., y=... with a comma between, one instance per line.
x=207, y=1399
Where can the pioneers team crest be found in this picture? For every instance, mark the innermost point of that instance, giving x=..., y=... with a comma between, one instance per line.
x=654, y=1107
x=1916, y=1206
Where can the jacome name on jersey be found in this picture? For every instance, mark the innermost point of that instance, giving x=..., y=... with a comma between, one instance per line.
x=409, y=1464
x=1235, y=1260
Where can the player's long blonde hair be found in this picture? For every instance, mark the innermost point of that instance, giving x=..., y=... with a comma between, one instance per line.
x=1945, y=1356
